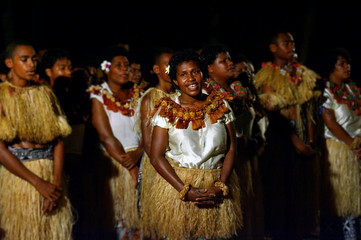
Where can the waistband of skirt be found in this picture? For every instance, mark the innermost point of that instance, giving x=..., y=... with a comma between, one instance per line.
x=29, y=154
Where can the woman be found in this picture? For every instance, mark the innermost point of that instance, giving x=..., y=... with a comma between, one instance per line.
x=341, y=208
x=112, y=110
x=196, y=193
x=33, y=200
x=221, y=77
x=163, y=88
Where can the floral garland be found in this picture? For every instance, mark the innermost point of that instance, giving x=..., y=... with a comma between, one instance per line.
x=239, y=90
x=181, y=117
x=352, y=100
x=291, y=71
x=142, y=85
x=114, y=104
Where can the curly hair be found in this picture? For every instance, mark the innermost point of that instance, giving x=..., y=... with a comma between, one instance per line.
x=330, y=58
x=178, y=58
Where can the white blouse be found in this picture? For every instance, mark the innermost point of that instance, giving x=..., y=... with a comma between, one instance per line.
x=204, y=148
x=345, y=117
x=122, y=126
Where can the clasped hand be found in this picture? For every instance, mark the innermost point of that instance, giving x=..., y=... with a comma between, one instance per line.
x=204, y=197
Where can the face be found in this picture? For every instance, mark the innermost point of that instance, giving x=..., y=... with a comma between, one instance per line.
x=239, y=68
x=119, y=70
x=222, y=67
x=285, y=47
x=23, y=63
x=189, y=79
x=342, y=69
x=135, y=74
x=160, y=69
x=61, y=68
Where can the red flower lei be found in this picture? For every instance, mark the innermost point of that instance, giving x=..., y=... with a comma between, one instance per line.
x=114, y=104
x=342, y=96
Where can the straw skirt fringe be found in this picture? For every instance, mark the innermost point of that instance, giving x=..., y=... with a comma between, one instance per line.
x=175, y=219
x=342, y=180
x=124, y=196
x=148, y=173
x=21, y=207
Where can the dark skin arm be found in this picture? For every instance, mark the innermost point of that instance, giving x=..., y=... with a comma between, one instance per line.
x=299, y=145
x=58, y=173
x=49, y=191
x=228, y=162
x=328, y=116
x=112, y=145
x=160, y=163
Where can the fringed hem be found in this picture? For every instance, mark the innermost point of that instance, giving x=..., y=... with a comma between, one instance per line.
x=124, y=196
x=175, y=219
x=21, y=207
x=273, y=99
x=342, y=180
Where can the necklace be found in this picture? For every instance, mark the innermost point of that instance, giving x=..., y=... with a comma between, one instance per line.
x=181, y=117
x=125, y=107
x=342, y=95
x=291, y=71
x=238, y=90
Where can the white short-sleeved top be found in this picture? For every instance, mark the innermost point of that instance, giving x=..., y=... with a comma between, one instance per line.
x=122, y=126
x=204, y=148
x=344, y=116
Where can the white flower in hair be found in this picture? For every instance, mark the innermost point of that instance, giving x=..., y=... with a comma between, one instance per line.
x=167, y=69
x=105, y=65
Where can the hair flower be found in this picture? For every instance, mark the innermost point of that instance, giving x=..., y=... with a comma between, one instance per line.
x=167, y=69
x=105, y=65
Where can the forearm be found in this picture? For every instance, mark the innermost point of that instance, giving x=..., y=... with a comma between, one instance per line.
x=15, y=166
x=58, y=162
x=227, y=167
x=167, y=172
x=229, y=159
x=113, y=147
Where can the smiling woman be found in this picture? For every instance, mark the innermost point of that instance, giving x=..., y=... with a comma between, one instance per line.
x=193, y=150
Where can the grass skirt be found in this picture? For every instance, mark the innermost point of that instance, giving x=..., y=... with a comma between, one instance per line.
x=124, y=196
x=148, y=173
x=341, y=183
x=21, y=207
x=173, y=218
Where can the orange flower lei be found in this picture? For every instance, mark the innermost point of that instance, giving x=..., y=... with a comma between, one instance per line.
x=181, y=117
x=116, y=105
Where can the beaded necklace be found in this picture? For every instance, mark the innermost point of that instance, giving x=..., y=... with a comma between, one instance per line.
x=115, y=104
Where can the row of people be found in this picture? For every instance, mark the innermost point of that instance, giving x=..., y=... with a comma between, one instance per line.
x=200, y=153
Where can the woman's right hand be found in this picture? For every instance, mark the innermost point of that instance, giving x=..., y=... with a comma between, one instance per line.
x=201, y=197
x=48, y=191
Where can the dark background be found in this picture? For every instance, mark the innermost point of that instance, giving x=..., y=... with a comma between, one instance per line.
x=88, y=27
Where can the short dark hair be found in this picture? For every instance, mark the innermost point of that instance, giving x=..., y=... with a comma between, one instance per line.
x=49, y=59
x=180, y=57
x=114, y=51
x=10, y=48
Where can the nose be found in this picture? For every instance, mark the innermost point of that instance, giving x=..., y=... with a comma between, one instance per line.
x=67, y=72
x=32, y=62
